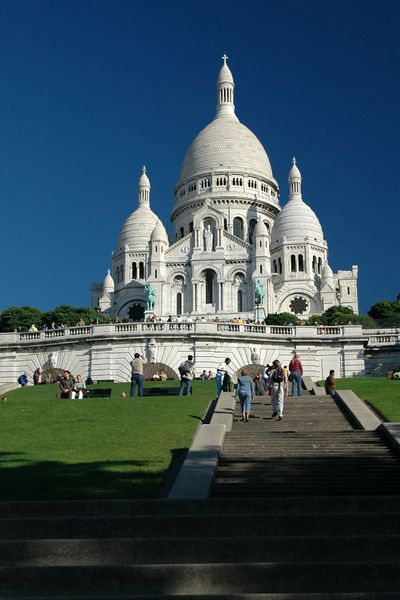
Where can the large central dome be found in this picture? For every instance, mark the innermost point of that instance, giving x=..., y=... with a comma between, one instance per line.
x=225, y=143
x=228, y=144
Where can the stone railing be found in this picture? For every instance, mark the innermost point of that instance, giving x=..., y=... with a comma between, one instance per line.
x=384, y=339
x=204, y=328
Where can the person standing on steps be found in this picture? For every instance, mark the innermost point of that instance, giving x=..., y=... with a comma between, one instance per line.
x=296, y=372
x=277, y=387
x=137, y=378
x=245, y=391
x=219, y=377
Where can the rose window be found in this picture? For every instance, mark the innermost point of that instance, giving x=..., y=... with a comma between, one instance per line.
x=298, y=305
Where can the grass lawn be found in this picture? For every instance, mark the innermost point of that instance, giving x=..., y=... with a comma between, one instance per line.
x=100, y=448
x=381, y=393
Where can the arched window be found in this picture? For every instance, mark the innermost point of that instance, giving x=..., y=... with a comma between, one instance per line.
x=141, y=270
x=226, y=224
x=117, y=274
x=209, y=280
x=266, y=225
x=182, y=232
x=191, y=226
x=240, y=301
x=293, y=263
x=319, y=265
x=280, y=266
x=314, y=264
x=260, y=269
x=121, y=272
x=301, y=262
x=134, y=270
x=252, y=224
x=275, y=266
x=238, y=227
x=179, y=303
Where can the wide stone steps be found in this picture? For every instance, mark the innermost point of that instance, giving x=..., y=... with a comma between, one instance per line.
x=303, y=509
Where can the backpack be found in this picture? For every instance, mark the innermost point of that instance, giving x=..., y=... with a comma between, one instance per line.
x=278, y=375
x=184, y=368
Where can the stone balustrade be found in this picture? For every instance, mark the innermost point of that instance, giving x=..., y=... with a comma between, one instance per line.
x=212, y=328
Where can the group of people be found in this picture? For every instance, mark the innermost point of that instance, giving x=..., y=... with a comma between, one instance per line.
x=71, y=388
x=274, y=382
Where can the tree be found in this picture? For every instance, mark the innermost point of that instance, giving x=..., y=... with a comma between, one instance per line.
x=386, y=313
x=281, y=319
x=20, y=319
x=70, y=316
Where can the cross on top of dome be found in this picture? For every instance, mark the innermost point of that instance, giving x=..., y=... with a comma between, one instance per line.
x=225, y=58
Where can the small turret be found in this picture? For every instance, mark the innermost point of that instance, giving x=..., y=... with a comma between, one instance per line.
x=108, y=283
x=225, y=89
x=144, y=189
x=294, y=182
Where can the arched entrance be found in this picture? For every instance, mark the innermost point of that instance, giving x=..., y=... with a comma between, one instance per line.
x=136, y=312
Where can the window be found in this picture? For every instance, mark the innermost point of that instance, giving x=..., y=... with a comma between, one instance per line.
x=134, y=271
x=348, y=291
x=181, y=232
x=293, y=263
x=319, y=265
x=226, y=224
x=205, y=183
x=238, y=227
x=121, y=272
x=179, y=303
x=141, y=270
x=191, y=226
x=192, y=186
x=275, y=266
x=301, y=262
x=117, y=274
x=314, y=264
x=280, y=266
x=155, y=273
x=252, y=183
x=220, y=181
x=260, y=269
x=209, y=287
x=240, y=301
x=252, y=224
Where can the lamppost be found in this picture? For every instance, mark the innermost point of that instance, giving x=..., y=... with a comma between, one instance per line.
x=98, y=310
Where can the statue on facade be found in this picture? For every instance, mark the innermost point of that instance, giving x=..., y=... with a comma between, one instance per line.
x=208, y=238
x=53, y=357
x=150, y=296
x=259, y=292
x=255, y=358
x=151, y=350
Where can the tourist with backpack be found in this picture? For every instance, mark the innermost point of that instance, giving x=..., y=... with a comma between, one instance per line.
x=277, y=382
x=186, y=371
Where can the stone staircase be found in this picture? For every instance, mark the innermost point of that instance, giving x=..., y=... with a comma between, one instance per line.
x=302, y=509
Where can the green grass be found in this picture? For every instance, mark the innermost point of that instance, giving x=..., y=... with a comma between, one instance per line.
x=381, y=393
x=100, y=448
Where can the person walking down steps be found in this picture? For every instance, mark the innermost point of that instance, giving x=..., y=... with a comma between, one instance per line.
x=277, y=388
x=245, y=391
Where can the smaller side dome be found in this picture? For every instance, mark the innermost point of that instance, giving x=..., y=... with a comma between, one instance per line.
x=327, y=272
x=159, y=232
x=108, y=283
x=260, y=228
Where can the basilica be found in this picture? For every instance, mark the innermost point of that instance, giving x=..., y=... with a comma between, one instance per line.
x=235, y=249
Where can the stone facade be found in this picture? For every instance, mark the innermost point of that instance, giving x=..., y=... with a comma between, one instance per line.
x=105, y=351
x=229, y=232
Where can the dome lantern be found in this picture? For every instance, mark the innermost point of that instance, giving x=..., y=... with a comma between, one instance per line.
x=225, y=88
x=294, y=182
x=144, y=189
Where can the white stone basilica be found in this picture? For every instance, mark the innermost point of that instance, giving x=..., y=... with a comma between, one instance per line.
x=231, y=233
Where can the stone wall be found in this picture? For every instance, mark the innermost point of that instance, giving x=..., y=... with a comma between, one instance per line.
x=104, y=351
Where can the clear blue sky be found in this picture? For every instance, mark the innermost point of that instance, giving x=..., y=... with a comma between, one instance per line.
x=92, y=90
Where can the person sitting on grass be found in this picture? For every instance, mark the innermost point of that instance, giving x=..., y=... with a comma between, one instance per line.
x=23, y=379
x=79, y=389
x=66, y=386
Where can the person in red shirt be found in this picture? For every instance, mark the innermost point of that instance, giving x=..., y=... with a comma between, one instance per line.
x=296, y=371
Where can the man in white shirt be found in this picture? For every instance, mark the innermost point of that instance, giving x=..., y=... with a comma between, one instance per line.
x=219, y=378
